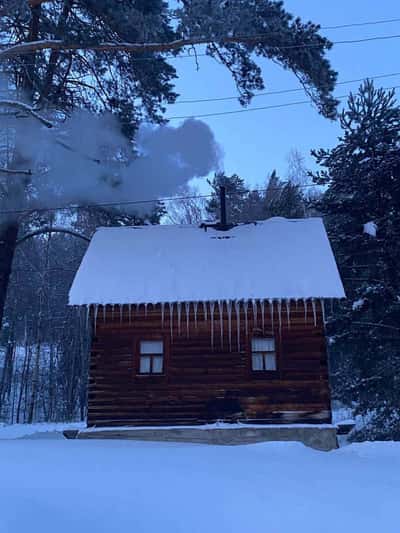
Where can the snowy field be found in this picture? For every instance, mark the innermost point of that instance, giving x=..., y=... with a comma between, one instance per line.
x=52, y=485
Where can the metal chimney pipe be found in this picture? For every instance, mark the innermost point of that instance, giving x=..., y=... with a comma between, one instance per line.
x=222, y=199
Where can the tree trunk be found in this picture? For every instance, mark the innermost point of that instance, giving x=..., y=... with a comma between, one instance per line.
x=8, y=242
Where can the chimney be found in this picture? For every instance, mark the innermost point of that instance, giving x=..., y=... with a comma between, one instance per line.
x=222, y=200
x=222, y=225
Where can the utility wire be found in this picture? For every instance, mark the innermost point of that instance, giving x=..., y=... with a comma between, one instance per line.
x=357, y=24
x=221, y=113
x=262, y=108
x=271, y=93
x=290, y=46
x=137, y=202
x=282, y=91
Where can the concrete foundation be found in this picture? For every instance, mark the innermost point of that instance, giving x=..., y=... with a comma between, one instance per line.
x=317, y=437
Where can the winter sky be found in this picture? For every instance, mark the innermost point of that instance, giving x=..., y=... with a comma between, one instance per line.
x=254, y=143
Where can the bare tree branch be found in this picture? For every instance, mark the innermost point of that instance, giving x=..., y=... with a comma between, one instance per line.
x=27, y=109
x=376, y=325
x=11, y=171
x=48, y=231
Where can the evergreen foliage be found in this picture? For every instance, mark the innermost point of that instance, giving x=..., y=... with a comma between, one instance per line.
x=362, y=175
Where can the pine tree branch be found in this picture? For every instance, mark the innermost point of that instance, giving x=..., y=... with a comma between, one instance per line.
x=135, y=48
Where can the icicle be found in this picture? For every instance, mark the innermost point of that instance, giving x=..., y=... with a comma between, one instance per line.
x=314, y=311
x=87, y=316
x=96, y=310
x=104, y=313
x=205, y=311
x=212, y=305
x=331, y=306
x=130, y=313
x=121, y=312
x=254, y=313
x=195, y=305
x=305, y=309
x=280, y=315
x=262, y=305
x=237, y=311
x=162, y=314
x=145, y=310
x=187, y=308
x=287, y=302
x=322, y=303
x=112, y=312
x=179, y=313
x=171, y=315
x=246, y=322
x=229, y=312
x=221, y=320
x=297, y=304
x=271, y=308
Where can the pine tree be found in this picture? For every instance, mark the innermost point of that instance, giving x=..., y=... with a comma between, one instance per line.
x=362, y=209
x=109, y=55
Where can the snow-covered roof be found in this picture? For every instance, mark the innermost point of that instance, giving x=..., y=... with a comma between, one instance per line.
x=273, y=259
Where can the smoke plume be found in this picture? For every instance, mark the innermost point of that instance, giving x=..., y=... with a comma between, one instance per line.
x=87, y=159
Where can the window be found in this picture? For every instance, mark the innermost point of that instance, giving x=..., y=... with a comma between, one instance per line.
x=263, y=355
x=151, y=357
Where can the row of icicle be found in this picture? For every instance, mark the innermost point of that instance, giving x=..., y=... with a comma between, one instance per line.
x=208, y=308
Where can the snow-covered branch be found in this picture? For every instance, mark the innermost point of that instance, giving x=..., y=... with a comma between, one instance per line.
x=135, y=48
x=27, y=109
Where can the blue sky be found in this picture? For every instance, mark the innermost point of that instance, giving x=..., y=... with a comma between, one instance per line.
x=255, y=143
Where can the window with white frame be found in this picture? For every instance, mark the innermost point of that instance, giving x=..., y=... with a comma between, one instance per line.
x=263, y=354
x=151, y=357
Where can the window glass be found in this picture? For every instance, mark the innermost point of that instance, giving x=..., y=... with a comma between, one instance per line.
x=263, y=356
x=259, y=344
x=157, y=364
x=257, y=361
x=145, y=365
x=151, y=347
x=270, y=361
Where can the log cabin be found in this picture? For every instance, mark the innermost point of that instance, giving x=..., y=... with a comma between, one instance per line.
x=193, y=325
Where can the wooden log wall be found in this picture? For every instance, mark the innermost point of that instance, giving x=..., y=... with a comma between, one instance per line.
x=202, y=383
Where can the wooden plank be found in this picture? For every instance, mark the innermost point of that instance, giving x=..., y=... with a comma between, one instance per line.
x=196, y=375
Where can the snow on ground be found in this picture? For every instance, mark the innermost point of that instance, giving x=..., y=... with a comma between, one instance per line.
x=125, y=486
x=40, y=430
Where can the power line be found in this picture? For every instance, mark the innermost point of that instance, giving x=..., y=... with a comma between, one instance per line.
x=357, y=24
x=221, y=113
x=262, y=108
x=295, y=46
x=269, y=93
x=136, y=202
x=282, y=91
x=348, y=25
